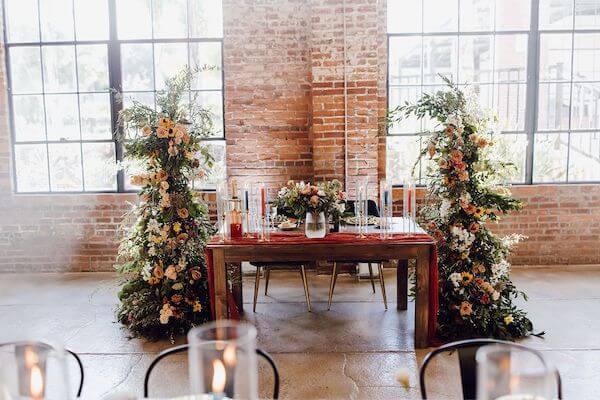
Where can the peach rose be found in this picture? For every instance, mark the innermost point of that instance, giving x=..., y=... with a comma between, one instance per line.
x=314, y=200
x=182, y=237
x=164, y=185
x=183, y=213
x=158, y=272
x=463, y=176
x=456, y=155
x=474, y=227
x=171, y=272
x=162, y=133
x=161, y=175
x=176, y=298
x=146, y=130
x=466, y=309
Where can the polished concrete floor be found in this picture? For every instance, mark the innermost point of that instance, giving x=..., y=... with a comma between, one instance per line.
x=353, y=351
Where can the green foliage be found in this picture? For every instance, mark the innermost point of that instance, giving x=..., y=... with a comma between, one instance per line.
x=476, y=293
x=161, y=257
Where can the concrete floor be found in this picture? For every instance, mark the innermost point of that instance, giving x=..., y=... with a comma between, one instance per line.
x=352, y=351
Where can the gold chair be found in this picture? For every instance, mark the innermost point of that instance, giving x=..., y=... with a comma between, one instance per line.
x=333, y=281
x=267, y=268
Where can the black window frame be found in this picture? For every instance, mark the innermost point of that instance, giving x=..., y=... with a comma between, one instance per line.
x=114, y=66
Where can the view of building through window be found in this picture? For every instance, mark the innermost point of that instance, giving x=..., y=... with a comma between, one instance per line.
x=64, y=57
x=531, y=62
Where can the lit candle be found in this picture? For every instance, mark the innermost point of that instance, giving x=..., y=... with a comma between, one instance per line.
x=36, y=388
x=218, y=380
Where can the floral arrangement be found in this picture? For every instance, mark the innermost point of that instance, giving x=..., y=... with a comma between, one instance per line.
x=162, y=255
x=299, y=198
x=464, y=194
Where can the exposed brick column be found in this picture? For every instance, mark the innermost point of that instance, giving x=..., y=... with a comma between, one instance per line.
x=267, y=90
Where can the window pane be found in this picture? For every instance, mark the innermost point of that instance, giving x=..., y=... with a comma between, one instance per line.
x=57, y=20
x=59, y=69
x=91, y=19
x=213, y=101
x=29, y=118
x=92, y=68
x=485, y=94
x=219, y=170
x=550, y=157
x=95, y=116
x=403, y=16
x=405, y=61
x=99, y=166
x=513, y=15
x=553, y=106
x=137, y=66
x=585, y=106
x=586, y=58
x=170, y=19
x=509, y=103
x=25, y=70
x=398, y=96
x=65, y=167
x=206, y=18
x=584, y=157
x=513, y=149
x=511, y=58
x=31, y=165
x=476, y=15
x=62, y=117
x=475, y=59
x=22, y=20
x=146, y=98
x=138, y=11
x=439, y=57
x=587, y=14
x=170, y=58
x=555, y=56
x=402, y=152
x=206, y=55
x=440, y=15
x=556, y=14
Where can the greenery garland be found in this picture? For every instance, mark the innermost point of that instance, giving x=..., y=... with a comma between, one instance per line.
x=464, y=194
x=165, y=291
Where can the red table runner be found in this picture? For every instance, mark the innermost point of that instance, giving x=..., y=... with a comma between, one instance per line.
x=334, y=238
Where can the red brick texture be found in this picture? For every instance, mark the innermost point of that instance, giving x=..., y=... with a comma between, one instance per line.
x=305, y=91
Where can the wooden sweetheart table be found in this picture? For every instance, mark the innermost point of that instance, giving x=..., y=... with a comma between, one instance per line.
x=345, y=245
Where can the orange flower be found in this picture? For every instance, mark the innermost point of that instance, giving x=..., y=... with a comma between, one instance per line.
x=466, y=277
x=164, y=185
x=182, y=237
x=153, y=280
x=196, y=274
x=165, y=123
x=431, y=149
x=478, y=268
x=474, y=227
x=479, y=212
x=482, y=142
x=314, y=200
x=463, y=176
x=146, y=130
x=158, y=272
x=176, y=298
x=450, y=131
x=171, y=272
x=161, y=175
x=183, y=213
x=162, y=132
x=456, y=155
x=470, y=209
x=466, y=309
x=443, y=163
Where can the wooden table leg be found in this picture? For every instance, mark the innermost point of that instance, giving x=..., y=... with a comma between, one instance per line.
x=422, y=298
x=402, y=285
x=220, y=284
x=236, y=286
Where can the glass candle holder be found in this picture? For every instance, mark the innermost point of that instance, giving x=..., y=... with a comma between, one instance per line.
x=234, y=213
x=361, y=207
x=222, y=205
x=33, y=371
x=509, y=373
x=246, y=209
x=385, y=208
x=409, y=205
x=222, y=361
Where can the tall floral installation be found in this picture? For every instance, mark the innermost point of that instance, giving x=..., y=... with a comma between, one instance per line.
x=464, y=195
x=161, y=256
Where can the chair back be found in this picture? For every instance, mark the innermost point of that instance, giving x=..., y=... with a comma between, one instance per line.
x=372, y=209
x=185, y=347
x=468, y=365
x=46, y=346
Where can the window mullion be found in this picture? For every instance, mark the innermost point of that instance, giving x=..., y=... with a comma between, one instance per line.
x=115, y=80
x=532, y=88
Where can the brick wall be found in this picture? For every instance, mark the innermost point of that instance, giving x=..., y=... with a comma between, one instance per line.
x=285, y=63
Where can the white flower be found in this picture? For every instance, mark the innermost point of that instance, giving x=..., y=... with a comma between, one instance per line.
x=511, y=240
x=495, y=295
x=341, y=207
x=165, y=313
x=455, y=120
x=445, y=209
x=151, y=251
x=153, y=226
x=320, y=193
x=455, y=278
x=462, y=240
x=499, y=270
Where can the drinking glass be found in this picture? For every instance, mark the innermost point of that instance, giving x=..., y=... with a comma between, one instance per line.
x=509, y=373
x=34, y=371
x=222, y=360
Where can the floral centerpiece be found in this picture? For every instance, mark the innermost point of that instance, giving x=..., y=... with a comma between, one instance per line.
x=315, y=203
x=465, y=193
x=161, y=257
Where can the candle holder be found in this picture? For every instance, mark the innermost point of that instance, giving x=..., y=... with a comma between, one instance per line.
x=409, y=206
x=234, y=213
x=246, y=209
x=361, y=207
x=222, y=361
x=264, y=214
x=385, y=209
x=222, y=205
x=34, y=371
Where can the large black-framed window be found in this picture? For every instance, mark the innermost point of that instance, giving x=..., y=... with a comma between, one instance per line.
x=62, y=58
x=535, y=62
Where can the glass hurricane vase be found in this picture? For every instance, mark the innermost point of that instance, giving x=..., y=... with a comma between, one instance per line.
x=315, y=225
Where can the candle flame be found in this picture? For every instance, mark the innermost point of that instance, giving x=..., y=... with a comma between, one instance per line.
x=219, y=377
x=36, y=387
x=31, y=357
